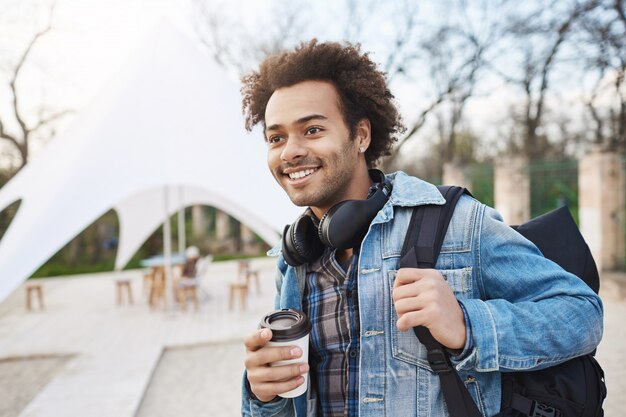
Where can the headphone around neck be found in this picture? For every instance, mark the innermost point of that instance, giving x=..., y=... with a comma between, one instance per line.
x=342, y=227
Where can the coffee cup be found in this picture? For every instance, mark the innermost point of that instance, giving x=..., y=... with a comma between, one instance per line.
x=289, y=328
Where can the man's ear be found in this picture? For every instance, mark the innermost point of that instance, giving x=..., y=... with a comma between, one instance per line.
x=363, y=134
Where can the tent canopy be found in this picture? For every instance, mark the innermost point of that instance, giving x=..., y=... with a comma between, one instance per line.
x=169, y=123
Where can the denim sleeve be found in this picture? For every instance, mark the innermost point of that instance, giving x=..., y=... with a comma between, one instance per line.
x=532, y=314
x=251, y=407
x=459, y=358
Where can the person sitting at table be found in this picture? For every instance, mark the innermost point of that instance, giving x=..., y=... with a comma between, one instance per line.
x=187, y=284
x=192, y=254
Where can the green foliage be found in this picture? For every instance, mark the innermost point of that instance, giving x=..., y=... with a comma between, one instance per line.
x=93, y=250
x=465, y=147
x=54, y=268
x=481, y=180
x=6, y=216
x=552, y=185
x=230, y=257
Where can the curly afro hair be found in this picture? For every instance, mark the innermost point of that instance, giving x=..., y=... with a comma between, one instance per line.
x=362, y=89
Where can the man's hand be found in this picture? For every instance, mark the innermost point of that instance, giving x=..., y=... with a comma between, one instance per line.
x=422, y=297
x=266, y=382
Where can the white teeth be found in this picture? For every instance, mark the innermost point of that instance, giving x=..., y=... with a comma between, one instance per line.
x=301, y=174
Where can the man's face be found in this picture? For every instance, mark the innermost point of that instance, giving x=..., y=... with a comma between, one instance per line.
x=310, y=152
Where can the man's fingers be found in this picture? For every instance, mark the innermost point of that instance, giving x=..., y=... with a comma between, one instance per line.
x=277, y=373
x=270, y=354
x=409, y=320
x=406, y=305
x=404, y=291
x=257, y=339
x=407, y=276
x=268, y=390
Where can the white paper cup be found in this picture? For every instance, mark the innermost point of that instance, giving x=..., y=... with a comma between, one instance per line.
x=290, y=328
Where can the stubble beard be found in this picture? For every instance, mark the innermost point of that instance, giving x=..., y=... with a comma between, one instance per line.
x=337, y=174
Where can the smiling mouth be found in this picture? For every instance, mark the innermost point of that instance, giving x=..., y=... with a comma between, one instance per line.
x=301, y=174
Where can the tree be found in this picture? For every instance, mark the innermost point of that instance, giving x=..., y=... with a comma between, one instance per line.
x=237, y=47
x=17, y=128
x=411, y=47
x=535, y=40
x=603, y=41
x=454, y=53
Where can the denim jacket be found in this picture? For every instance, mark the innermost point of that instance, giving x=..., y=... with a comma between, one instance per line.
x=522, y=311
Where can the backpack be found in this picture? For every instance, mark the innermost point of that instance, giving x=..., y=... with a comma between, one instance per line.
x=575, y=388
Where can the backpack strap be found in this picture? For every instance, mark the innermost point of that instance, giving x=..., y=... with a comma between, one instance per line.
x=427, y=229
x=421, y=248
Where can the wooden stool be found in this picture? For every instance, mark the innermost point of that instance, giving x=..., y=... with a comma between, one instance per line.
x=187, y=287
x=38, y=290
x=121, y=284
x=254, y=274
x=241, y=289
x=247, y=273
x=148, y=277
x=157, y=288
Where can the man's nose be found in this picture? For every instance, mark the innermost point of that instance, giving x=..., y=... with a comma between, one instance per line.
x=294, y=149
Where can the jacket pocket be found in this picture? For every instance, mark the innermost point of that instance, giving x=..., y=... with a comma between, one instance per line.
x=474, y=389
x=404, y=345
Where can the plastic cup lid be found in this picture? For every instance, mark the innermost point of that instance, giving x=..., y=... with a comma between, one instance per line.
x=286, y=324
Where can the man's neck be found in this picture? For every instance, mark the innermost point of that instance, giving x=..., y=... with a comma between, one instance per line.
x=358, y=190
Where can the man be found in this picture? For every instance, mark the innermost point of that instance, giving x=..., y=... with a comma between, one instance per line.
x=493, y=300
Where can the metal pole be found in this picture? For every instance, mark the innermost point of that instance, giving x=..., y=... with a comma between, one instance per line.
x=181, y=222
x=167, y=247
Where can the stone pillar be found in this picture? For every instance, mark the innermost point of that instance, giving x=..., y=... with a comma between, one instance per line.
x=199, y=222
x=222, y=226
x=512, y=189
x=456, y=174
x=601, y=200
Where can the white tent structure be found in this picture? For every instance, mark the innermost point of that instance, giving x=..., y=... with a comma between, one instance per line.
x=166, y=133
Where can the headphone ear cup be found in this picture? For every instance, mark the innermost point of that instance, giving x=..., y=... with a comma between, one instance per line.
x=330, y=236
x=301, y=243
x=345, y=224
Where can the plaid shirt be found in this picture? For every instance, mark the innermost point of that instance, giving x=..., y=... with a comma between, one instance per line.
x=331, y=303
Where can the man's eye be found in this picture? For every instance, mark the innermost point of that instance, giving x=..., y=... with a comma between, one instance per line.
x=274, y=139
x=313, y=130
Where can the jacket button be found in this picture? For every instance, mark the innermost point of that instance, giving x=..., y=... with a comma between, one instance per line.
x=352, y=353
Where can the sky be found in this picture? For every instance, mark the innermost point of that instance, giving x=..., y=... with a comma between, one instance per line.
x=92, y=39
x=89, y=43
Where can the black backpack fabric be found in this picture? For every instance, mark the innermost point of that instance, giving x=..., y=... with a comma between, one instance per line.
x=575, y=388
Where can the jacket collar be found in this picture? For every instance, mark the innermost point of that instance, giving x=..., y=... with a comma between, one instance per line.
x=411, y=191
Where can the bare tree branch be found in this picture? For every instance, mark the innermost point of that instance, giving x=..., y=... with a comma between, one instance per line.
x=16, y=73
x=402, y=41
x=474, y=63
x=44, y=122
x=21, y=141
x=537, y=68
x=599, y=130
x=10, y=138
x=603, y=40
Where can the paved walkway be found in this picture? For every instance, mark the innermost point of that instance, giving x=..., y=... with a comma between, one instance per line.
x=612, y=349
x=129, y=361
x=117, y=348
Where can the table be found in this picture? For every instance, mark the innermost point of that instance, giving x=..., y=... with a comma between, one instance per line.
x=157, y=276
